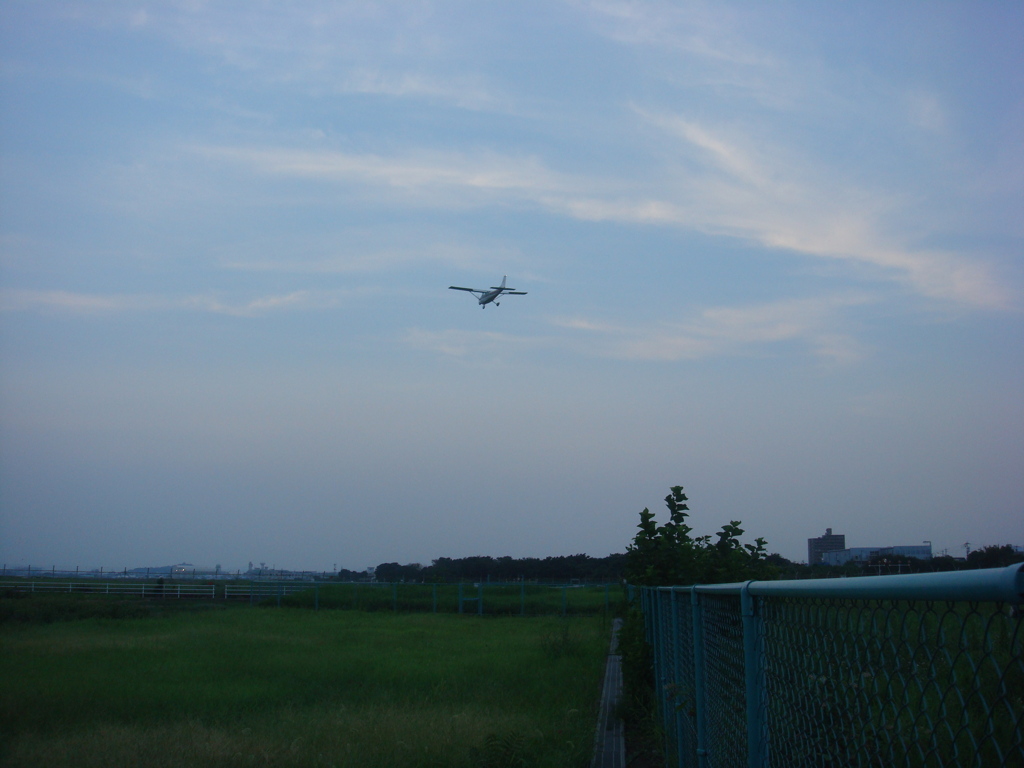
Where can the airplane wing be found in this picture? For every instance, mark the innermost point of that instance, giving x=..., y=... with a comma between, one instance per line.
x=515, y=293
x=460, y=288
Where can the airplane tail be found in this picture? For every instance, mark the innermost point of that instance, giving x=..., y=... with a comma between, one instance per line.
x=503, y=279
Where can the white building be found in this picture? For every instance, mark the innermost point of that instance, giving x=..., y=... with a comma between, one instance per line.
x=864, y=554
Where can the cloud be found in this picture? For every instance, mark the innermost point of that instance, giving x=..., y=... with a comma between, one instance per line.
x=797, y=176
x=725, y=183
x=258, y=306
x=413, y=172
x=695, y=28
x=721, y=331
x=18, y=300
x=462, y=91
x=360, y=258
x=815, y=323
x=720, y=183
x=395, y=49
x=926, y=110
x=465, y=344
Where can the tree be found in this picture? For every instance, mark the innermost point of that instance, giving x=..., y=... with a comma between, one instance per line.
x=994, y=556
x=664, y=555
x=393, y=572
x=669, y=555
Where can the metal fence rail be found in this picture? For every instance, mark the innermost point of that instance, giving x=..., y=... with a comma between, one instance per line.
x=142, y=588
x=914, y=670
x=492, y=598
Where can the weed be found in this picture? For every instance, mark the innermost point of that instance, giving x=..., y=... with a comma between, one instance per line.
x=562, y=642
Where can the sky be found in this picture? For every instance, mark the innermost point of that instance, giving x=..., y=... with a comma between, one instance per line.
x=772, y=253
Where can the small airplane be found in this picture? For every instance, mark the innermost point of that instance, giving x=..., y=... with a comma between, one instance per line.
x=486, y=297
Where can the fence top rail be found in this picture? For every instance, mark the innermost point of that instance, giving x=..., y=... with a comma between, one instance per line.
x=127, y=584
x=987, y=584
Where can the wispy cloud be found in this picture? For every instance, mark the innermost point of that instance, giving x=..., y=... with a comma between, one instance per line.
x=463, y=91
x=773, y=195
x=258, y=306
x=380, y=48
x=420, y=171
x=19, y=300
x=816, y=324
x=717, y=331
x=464, y=344
x=695, y=28
x=68, y=302
x=720, y=184
x=770, y=179
x=321, y=258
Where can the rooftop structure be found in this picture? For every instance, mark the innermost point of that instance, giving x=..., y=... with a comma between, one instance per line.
x=830, y=542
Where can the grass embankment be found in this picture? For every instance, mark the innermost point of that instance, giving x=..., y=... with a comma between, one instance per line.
x=284, y=687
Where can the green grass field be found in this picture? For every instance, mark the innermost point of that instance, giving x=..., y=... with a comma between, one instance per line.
x=245, y=687
x=497, y=599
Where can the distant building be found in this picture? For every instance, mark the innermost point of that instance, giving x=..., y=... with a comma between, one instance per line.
x=830, y=542
x=864, y=554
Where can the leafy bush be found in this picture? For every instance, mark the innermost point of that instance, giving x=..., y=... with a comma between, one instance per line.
x=668, y=555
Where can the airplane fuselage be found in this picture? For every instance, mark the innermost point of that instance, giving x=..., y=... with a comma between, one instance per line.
x=484, y=298
x=490, y=296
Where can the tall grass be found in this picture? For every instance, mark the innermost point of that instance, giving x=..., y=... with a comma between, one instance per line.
x=496, y=599
x=298, y=688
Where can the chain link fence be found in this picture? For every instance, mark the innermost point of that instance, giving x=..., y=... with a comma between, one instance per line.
x=479, y=598
x=915, y=670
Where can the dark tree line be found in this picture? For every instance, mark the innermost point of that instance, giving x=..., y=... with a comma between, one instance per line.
x=667, y=554
x=344, y=574
x=507, y=569
x=992, y=556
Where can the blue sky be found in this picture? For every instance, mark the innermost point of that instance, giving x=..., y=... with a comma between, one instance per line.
x=772, y=253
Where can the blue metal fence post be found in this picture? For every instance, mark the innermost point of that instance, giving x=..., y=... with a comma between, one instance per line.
x=645, y=609
x=480, y=599
x=661, y=690
x=522, y=598
x=460, y=597
x=699, y=693
x=676, y=679
x=435, y=597
x=753, y=663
